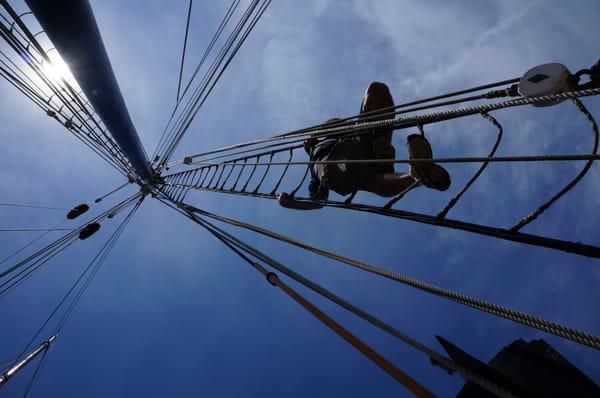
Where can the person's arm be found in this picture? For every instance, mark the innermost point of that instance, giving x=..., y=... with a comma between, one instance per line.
x=287, y=201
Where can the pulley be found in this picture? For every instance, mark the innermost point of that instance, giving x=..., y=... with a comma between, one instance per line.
x=546, y=79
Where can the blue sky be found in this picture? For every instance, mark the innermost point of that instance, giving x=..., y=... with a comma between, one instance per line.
x=174, y=313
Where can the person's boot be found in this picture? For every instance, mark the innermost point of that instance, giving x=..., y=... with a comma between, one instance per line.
x=430, y=174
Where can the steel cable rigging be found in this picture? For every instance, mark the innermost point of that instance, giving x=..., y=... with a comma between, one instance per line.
x=482, y=305
x=177, y=185
x=90, y=130
x=187, y=28
x=226, y=175
x=78, y=288
x=236, y=39
x=214, y=178
x=8, y=257
x=203, y=84
x=14, y=275
x=347, y=125
x=358, y=128
x=234, y=242
x=213, y=41
x=30, y=206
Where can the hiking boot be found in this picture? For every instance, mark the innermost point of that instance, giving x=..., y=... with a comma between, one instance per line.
x=419, y=148
x=430, y=174
x=436, y=177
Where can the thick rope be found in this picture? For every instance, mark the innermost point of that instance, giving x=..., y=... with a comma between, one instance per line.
x=494, y=309
x=432, y=354
x=457, y=197
x=410, y=121
x=495, y=232
x=369, y=116
x=403, y=378
x=461, y=159
x=536, y=213
x=412, y=385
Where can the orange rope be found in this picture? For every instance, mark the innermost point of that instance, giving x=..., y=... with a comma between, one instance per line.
x=412, y=385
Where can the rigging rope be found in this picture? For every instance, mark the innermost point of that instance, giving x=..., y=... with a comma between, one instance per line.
x=344, y=121
x=186, y=179
x=46, y=107
x=536, y=213
x=482, y=305
x=232, y=7
x=99, y=259
x=42, y=256
x=178, y=184
x=32, y=206
x=172, y=190
x=56, y=245
x=412, y=385
x=406, y=122
x=94, y=265
x=432, y=354
x=213, y=41
x=187, y=28
x=60, y=89
x=458, y=159
x=210, y=80
x=204, y=81
x=403, y=378
x=468, y=185
x=99, y=199
x=5, y=259
x=37, y=372
x=34, y=229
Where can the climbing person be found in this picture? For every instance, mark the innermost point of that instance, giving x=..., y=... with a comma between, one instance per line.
x=377, y=177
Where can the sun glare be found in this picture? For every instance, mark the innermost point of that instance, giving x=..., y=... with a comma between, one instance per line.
x=57, y=69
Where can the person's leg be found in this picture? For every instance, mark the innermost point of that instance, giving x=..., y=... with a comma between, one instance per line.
x=389, y=184
x=378, y=96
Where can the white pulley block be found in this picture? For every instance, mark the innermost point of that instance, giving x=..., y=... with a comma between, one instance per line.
x=543, y=80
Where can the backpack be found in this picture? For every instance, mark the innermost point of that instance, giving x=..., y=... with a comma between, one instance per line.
x=331, y=176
